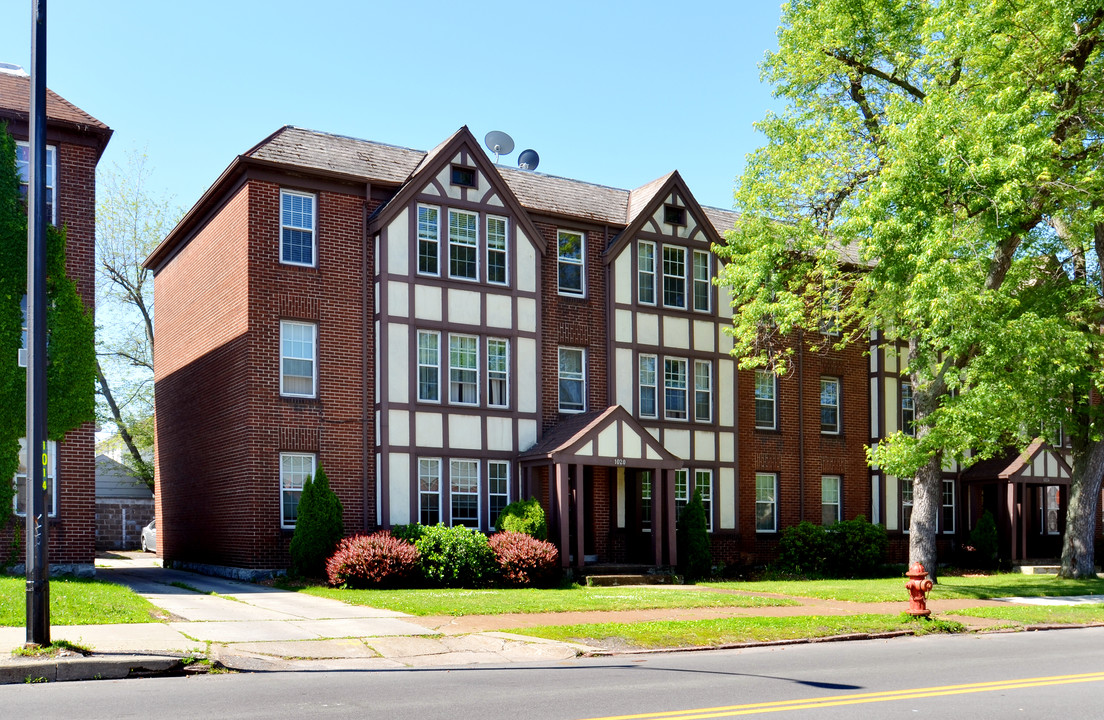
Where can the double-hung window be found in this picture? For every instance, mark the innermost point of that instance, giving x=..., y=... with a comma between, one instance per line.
x=464, y=492
x=906, y=505
x=908, y=410
x=766, y=502
x=766, y=415
x=298, y=358
x=498, y=487
x=429, y=366
x=948, y=515
x=572, y=380
x=23, y=168
x=829, y=500
x=703, y=484
x=674, y=388
x=429, y=240
x=429, y=491
x=463, y=245
x=295, y=468
x=703, y=390
x=19, y=502
x=682, y=491
x=647, y=382
x=498, y=360
x=570, y=262
x=645, y=497
x=830, y=406
x=674, y=277
x=702, y=280
x=645, y=272
x=496, y=250
x=463, y=369
x=297, y=228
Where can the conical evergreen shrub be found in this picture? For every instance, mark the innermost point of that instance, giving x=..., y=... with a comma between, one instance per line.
x=318, y=528
x=695, y=557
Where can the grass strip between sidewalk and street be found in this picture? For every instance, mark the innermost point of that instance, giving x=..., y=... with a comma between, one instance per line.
x=426, y=601
x=976, y=587
x=1040, y=614
x=76, y=601
x=728, y=631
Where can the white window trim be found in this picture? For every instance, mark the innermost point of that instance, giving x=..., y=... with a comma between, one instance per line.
x=505, y=248
x=51, y=478
x=418, y=240
x=640, y=272
x=773, y=400
x=313, y=359
x=314, y=467
x=581, y=262
x=905, y=426
x=436, y=461
x=419, y=365
x=583, y=380
x=50, y=150
x=663, y=275
x=839, y=496
x=506, y=495
x=685, y=389
x=474, y=370
x=694, y=281
x=506, y=393
x=474, y=247
x=954, y=501
x=284, y=192
x=773, y=503
x=910, y=504
x=654, y=384
x=477, y=493
x=707, y=495
x=837, y=406
x=707, y=390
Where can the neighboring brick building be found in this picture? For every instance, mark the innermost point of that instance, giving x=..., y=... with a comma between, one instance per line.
x=446, y=335
x=75, y=142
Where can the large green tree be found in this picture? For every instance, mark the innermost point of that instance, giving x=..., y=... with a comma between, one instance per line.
x=908, y=187
x=71, y=362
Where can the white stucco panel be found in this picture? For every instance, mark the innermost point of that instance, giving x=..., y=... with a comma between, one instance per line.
x=727, y=444
x=398, y=299
x=607, y=442
x=429, y=430
x=527, y=434
x=631, y=444
x=623, y=372
x=526, y=259
x=465, y=432
x=875, y=426
x=892, y=402
x=464, y=307
x=445, y=179
x=527, y=368
x=647, y=329
x=676, y=333
x=623, y=326
x=705, y=446
x=622, y=277
x=526, y=314
x=427, y=303
x=677, y=443
x=398, y=487
x=704, y=336
x=398, y=245
x=726, y=497
x=893, y=521
x=398, y=427
x=500, y=434
x=493, y=198
x=397, y=362
x=500, y=311
x=726, y=385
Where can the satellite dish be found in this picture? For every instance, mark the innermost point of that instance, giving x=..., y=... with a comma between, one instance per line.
x=499, y=143
x=528, y=160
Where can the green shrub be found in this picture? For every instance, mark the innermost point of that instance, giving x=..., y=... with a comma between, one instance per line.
x=983, y=538
x=803, y=550
x=524, y=560
x=857, y=548
x=456, y=557
x=410, y=533
x=376, y=560
x=694, y=557
x=318, y=527
x=523, y=516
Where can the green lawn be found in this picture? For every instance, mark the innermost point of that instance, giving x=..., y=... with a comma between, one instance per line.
x=1041, y=614
x=75, y=601
x=893, y=589
x=726, y=631
x=532, y=600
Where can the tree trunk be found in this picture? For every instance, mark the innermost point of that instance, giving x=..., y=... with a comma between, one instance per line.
x=1078, y=545
x=145, y=472
x=927, y=499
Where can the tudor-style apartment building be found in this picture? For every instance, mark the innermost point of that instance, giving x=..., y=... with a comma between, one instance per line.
x=446, y=335
x=75, y=141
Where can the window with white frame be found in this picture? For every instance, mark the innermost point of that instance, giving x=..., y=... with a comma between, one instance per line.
x=463, y=369
x=429, y=491
x=496, y=251
x=498, y=487
x=908, y=410
x=19, y=501
x=829, y=311
x=298, y=358
x=829, y=499
x=23, y=169
x=830, y=406
x=703, y=390
x=570, y=262
x=702, y=280
x=295, y=468
x=947, y=518
x=464, y=492
x=647, y=382
x=766, y=415
x=429, y=240
x=645, y=270
x=429, y=366
x=498, y=390
x=1051, y=506
x=703, y=483
x=682, y=491
x=572, y=379
x=674, y=388
x=645, y=497
x=906, y=505
x=766, y=502
x=674, y=277
x=463, y=245
x=297, y=228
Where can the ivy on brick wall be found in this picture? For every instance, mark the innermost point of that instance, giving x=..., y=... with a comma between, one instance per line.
x=71, y=365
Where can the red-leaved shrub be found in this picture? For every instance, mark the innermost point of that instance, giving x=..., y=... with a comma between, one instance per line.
x=374, y=560
x=524, y=560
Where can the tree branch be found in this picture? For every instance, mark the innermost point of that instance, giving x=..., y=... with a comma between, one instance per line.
x=871, y=70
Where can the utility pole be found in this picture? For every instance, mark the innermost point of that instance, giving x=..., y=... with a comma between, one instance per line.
x=38, y=565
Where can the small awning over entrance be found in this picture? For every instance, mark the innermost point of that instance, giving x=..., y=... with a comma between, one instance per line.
x=607, y=438
x=1038, y=464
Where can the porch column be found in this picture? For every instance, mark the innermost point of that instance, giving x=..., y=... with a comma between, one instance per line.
x=1013, y=522
x=579, y=516
x=561, y=496
x=659, y=499
x=672, y=554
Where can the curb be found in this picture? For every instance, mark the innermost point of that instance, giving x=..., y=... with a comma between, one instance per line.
x=39, y=670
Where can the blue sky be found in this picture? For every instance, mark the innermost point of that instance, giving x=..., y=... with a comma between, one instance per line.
x=616, y=93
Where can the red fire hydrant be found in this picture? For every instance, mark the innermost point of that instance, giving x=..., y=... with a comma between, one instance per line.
x=918, y=586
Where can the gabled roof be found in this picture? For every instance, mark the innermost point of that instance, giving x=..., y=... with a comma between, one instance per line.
x=1038, y=464
x=643, y=203
x=609, y=437
x=15, y=104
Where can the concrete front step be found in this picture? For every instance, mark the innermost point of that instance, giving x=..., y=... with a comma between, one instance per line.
x=633, y=579
x=1037, y=569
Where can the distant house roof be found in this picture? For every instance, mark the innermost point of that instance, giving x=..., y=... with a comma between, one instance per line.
x=15, y=104
x=113, y=480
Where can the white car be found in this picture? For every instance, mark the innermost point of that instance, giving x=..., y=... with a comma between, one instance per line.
x=149, y=537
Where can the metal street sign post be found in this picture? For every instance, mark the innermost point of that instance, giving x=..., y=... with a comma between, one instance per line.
x=38, y=576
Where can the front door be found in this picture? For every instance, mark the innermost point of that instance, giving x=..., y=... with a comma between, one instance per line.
x=639, y=547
